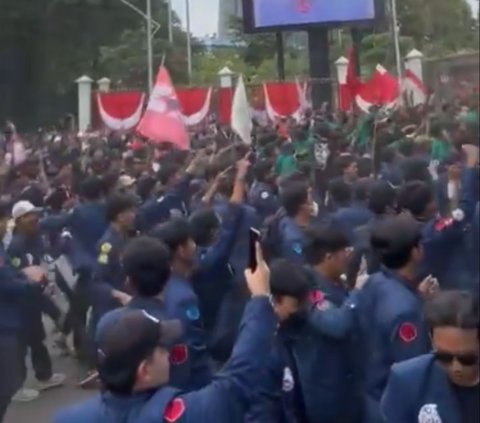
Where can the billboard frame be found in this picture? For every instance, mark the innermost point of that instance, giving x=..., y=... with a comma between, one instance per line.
x=249, y=21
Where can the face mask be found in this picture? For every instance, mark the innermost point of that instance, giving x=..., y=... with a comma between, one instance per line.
x=314, y=209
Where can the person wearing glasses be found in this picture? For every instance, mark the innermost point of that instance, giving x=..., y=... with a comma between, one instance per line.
x=443, y=386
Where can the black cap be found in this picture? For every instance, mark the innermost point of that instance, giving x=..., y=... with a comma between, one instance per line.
x=125, y=337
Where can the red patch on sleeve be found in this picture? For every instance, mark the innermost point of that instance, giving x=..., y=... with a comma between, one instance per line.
x=178, y=354
x=441, y=224
x=174, y=410
x=407, y=332
x=316, y=297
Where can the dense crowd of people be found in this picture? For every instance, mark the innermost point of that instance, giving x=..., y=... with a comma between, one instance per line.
x=360, y=303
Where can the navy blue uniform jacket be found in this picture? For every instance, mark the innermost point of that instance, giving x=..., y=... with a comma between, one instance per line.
x=225, y=399
x=417, y=389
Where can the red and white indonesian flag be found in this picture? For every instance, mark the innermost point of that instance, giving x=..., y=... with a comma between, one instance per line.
x=382, y=90
x=163, y=120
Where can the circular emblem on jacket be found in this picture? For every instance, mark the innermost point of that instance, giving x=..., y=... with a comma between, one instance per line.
x=429, y=414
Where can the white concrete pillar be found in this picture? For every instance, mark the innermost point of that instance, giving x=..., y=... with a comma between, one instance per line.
x=103, y=85
x=226, y=77
x=341, y=65
x=84, y=102
x=414, y=64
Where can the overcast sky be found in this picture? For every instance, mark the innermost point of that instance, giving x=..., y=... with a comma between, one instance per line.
x=204, y=14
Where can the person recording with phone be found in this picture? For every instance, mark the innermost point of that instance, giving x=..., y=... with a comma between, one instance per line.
x=135, y=370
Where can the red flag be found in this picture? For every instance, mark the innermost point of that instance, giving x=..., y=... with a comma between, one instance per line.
x=380, y=90
x=353, y=83
x=162, y=120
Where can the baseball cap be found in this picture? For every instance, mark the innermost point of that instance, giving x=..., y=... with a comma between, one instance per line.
x=125, y=337
x=23, y=208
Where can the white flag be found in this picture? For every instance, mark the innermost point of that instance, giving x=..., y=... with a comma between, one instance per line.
x=241, y=119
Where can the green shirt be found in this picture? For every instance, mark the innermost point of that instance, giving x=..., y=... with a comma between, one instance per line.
x=440, y=150
x=285, y=165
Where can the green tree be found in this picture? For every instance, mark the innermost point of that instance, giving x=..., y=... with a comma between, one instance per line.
x=438, y=26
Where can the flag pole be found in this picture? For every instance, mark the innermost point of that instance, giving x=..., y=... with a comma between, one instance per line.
x=396, y=41
x=170, y=23
x=189, y=42
x=149, y=46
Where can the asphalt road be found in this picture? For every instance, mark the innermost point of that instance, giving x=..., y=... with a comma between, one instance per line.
x=43, y=409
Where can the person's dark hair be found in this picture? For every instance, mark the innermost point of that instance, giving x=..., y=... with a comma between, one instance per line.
x=394, y=238
x=415, y=196
x=145, y=187
x=340, y=192
x=343, y=162
x=146, y=262
x=321, y=240
x=92, y=188
x=288, y=280
x=174, y=233
x=118, y=203
x=262, y=169
x=364, y=165
x=203, y=225
x=293, y=197
x=382, y=196
x=167, y=171
x=458, y=309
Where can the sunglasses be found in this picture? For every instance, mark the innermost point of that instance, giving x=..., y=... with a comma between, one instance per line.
x=466, y=360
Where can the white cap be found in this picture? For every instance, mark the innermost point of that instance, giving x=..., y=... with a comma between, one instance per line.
x=23, y=208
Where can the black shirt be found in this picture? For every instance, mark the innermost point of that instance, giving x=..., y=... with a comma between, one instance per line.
x=469, y=402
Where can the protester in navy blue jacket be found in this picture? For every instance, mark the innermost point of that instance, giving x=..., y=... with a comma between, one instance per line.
x=296, y=198
x=262, y=193
x=382, y=202
x=317, y=320
x=16, y=294
x=182, y=302
x=445, y=239
x=86, y=224
x=442, y=386
x=352, y=211
x=174, y=200
x=135, y=369
x=27, y=248
x=107, y=289
x=214, y=279
x=391, y=307
x=147, y=269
